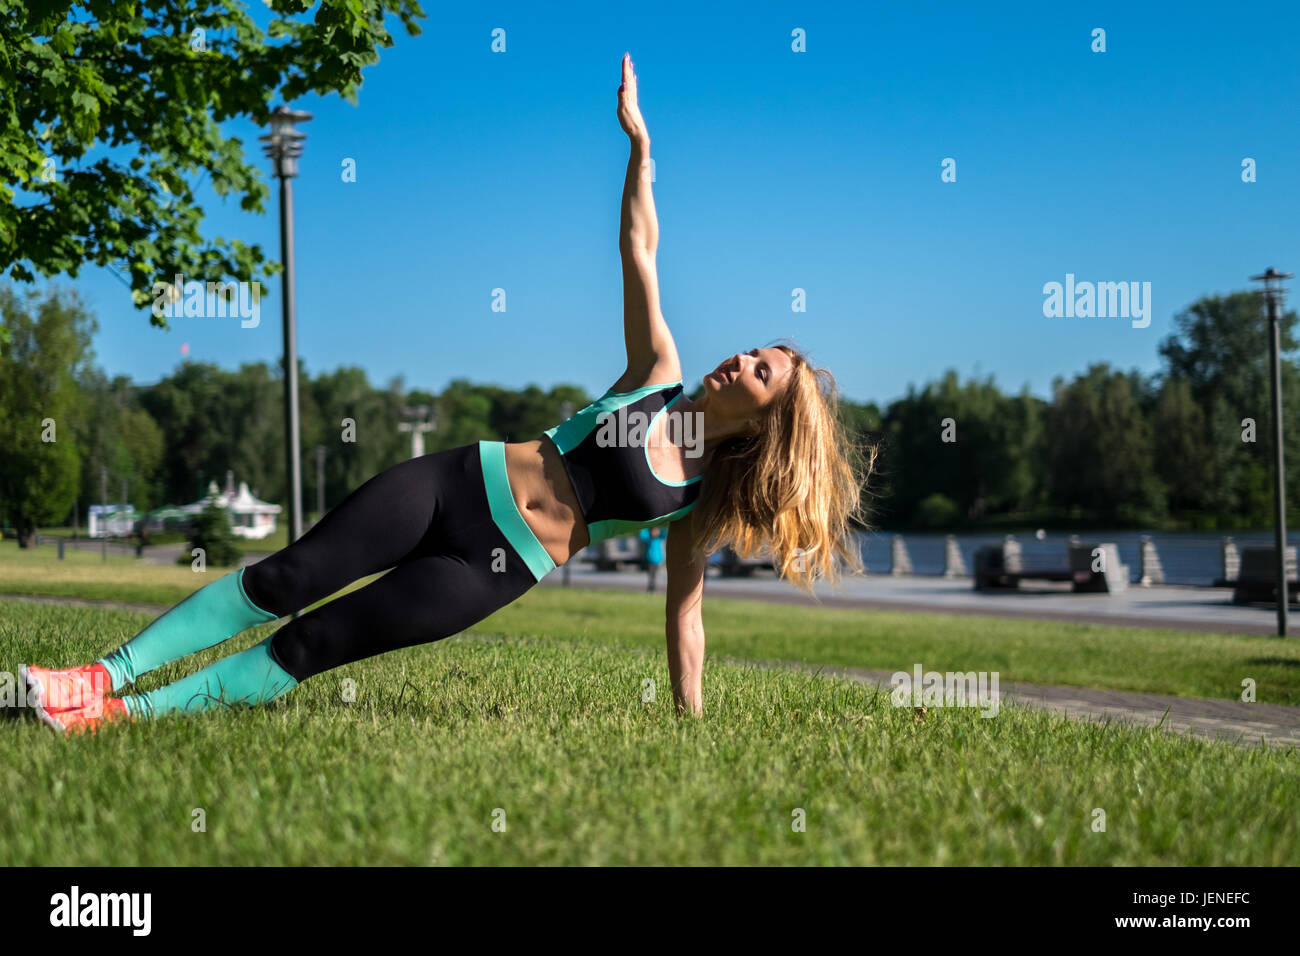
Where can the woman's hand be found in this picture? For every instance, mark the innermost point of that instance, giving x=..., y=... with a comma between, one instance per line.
x=629, y=111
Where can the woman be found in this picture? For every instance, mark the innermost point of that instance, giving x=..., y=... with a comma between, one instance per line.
x=654, y=554
x=468, y=530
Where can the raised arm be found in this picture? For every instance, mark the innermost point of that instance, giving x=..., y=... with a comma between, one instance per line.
x=685, y=622
x=651, y=352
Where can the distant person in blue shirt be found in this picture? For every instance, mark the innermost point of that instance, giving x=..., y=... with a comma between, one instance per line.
x=654, y=552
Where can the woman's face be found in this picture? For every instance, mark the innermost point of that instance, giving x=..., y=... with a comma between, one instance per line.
x=747, y=381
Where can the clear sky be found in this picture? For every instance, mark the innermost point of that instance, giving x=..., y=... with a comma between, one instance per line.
x=775, y=170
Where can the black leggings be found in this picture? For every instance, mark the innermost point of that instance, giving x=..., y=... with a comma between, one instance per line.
x=428, y=519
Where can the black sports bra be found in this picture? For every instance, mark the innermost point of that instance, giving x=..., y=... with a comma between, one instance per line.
x=607, y=458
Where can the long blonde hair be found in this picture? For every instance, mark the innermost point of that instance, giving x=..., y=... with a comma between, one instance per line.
x=795, y=486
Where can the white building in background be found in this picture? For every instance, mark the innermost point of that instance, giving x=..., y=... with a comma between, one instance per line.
x=249, y=517
x=111, y=521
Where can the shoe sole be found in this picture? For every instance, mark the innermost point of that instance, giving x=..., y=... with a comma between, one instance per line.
x=34, y=698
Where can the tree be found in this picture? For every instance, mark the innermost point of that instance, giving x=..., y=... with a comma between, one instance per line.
x=864, y=431
x=1182, y=454
x=253, y=420
x=141, y=442
x=39, y=362
x=523, y=415
x=160, y=76
x=465, y=415
x=936, y=511
x=211, y=532
x=1100, y=449
x=981, y=462
x=113, y=433
x=189, y=407
x=357, y=424
x=1220, y=350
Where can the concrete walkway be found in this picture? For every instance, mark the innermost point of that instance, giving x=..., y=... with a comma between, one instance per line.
x=1225, y=720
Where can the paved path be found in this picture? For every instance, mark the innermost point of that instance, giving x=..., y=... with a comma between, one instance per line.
x=1227, y=720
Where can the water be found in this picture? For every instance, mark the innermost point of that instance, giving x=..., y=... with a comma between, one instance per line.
x=1191, y=558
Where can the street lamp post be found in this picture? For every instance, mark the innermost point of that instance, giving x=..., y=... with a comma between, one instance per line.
x=103, y=512
x=284, y=146
x=1272, y=280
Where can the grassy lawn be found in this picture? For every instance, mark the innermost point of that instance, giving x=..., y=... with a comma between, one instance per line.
x=1185, y=663
x=86, y=574
x=553, y=732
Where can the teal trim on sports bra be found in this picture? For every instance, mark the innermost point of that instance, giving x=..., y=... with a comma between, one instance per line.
x=614, y=528
x=645, y=389
x=505, y=513
x=569, y=434
x=578, y=428
x=650, y=428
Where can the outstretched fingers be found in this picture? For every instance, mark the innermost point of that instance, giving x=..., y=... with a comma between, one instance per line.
x=629, y=77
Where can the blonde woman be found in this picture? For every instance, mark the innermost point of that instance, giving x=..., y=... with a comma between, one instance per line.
x=758, y=460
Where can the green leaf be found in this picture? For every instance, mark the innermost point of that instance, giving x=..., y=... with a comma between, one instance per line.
x=134, y=75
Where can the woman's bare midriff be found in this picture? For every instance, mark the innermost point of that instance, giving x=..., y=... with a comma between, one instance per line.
x=545, y=497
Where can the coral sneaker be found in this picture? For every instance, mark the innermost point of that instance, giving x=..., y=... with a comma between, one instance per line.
x=50, y=690
x=89, y=718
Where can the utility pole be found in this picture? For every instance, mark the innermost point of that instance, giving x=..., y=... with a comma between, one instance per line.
x=103, y=512
x=1273, y=293
x=417, y=428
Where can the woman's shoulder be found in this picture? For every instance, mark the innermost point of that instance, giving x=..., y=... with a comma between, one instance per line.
x=647, y=389
x=661, y=375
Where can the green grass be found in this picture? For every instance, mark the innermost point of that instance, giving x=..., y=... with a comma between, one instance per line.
x=1182, y=663
x=85, y=574
x=553, y=731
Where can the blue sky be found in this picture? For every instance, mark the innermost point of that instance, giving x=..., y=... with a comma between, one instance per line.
x=775, y=170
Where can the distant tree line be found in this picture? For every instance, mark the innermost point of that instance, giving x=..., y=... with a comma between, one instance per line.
x=1189, y=447
x=1170, y=450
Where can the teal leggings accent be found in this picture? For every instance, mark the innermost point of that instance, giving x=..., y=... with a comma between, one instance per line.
x=212, y=614
x=248, y=678
x=501, y=504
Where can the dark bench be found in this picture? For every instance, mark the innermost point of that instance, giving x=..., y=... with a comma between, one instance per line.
x=1257, y=578
x=999, y=567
